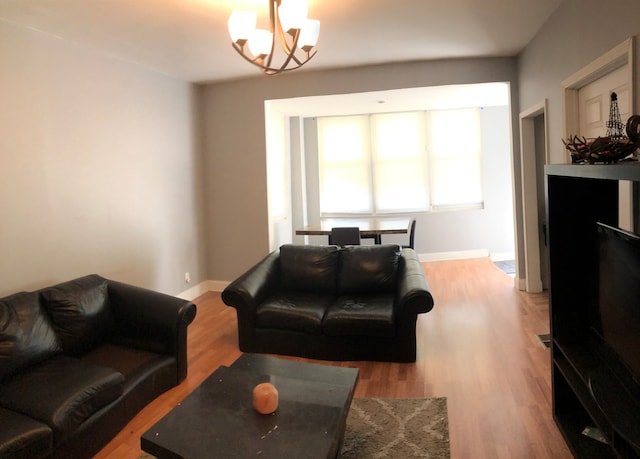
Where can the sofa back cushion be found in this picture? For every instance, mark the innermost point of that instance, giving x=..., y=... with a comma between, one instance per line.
x=368, y=269
x=80, y=312
x=309, y=268
x=26, y=334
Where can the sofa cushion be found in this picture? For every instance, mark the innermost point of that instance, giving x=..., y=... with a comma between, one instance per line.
x=80, y=312
x=61, y=392
x=361, y=315
x=26, y=334
x=24, y=438
x=296, y=311
x=133, y=363
x=368, y=269
x=309, y=268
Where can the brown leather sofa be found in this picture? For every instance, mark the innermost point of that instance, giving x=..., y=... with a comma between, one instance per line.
x=79, y=359
x=332, y=303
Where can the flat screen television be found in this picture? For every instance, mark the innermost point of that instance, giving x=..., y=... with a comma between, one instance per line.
x=618, y=309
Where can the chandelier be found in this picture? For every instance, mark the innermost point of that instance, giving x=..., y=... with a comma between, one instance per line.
x=288, y=24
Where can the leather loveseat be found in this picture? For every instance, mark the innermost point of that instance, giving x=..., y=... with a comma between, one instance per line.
x=81, y=358
x=332, y=303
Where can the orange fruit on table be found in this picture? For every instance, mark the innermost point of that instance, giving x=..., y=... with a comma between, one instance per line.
x=265, y=398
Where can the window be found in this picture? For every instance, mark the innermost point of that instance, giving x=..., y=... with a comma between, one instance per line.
x=454, y=158
x=345, y=178
x=399, y=162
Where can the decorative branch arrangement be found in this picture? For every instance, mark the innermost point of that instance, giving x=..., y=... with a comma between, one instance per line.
x=599, y=150
x=607, y=149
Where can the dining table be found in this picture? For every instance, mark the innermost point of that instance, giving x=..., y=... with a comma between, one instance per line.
x=370, y=227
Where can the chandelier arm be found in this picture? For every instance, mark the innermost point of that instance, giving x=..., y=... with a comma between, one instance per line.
x=274, y=19
x=301, y=63
x=283, y=40
x=275, y=71
x=290, y=51
x=265, y=68
x=309, y=57
x=254, y=61
x=298, y=61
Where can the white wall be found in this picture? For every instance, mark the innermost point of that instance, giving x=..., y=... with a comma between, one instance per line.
x=278, y=177
x=98, y=168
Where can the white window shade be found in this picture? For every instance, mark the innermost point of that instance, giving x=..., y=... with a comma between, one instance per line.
x=456, y=182
x=399, y=162
x=345, y=190
x=345, y=179
x=455, y=158
x=400, y=189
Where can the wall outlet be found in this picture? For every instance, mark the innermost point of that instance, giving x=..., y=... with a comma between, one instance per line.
x=187, y=277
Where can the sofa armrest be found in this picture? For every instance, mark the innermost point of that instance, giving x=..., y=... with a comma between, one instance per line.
x=413, y=295
x=251, y=288
x=151, y=321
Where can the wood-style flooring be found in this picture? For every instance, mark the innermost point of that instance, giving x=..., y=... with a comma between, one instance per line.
x=478, y=347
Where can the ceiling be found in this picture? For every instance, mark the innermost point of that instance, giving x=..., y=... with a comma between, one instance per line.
x=188, y=39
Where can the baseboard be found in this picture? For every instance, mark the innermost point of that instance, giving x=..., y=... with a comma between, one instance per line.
x=461, y=255
x=203, y=287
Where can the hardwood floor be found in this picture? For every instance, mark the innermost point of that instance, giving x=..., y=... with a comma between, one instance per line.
x=478, y=347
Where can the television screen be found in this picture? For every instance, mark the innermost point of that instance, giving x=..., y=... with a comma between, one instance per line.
x=619, y=295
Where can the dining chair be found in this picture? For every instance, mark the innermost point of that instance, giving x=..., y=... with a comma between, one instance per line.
x=376, y=238
x=344, y=235
x=412, y=235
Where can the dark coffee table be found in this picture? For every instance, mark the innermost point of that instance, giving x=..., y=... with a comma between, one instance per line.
x=217, y=420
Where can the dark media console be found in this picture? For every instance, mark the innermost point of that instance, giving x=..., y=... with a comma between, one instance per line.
x=593, y=387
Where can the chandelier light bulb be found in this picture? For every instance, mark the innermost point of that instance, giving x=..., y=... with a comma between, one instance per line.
x=293, y=14
x=309, y=34
x=241, y=25
x=260, y=42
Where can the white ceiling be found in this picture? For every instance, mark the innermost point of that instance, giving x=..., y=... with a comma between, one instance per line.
x=396, y=100
x=188, y=39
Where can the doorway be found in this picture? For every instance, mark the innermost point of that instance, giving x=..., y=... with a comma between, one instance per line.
x=534, y=155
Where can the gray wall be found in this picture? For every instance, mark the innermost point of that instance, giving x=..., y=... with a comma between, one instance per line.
x=234, y=145
x=577, y=33
x=99, y=170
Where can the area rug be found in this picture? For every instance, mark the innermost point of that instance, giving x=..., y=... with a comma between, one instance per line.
x=397, y=428
x=394, y=429
x=507, y=266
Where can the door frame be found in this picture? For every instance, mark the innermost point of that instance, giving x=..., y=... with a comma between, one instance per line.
x=617, y=57
x=532, y=281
